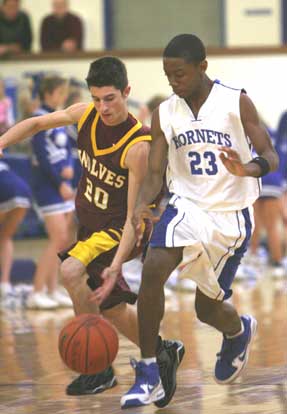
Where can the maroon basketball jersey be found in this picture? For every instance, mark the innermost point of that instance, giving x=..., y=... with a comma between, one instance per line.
x=101, y=200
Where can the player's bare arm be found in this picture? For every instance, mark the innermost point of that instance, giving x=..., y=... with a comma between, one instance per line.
x=137, y=163
x=157, y=164
x=32, y=126
x=154, y=179
x=260, y=139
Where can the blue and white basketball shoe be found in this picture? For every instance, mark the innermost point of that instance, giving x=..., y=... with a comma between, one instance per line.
x=234, y=352
x=147, y=387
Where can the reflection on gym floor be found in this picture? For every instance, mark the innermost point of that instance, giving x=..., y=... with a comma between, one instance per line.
x=33, y=377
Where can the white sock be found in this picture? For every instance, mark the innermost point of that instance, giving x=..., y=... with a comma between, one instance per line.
x=237, y=334
x=149, y=361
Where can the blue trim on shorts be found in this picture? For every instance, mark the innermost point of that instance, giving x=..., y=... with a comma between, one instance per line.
x=179, y=221
x=158, y=238
x=231, y=247
x=230, y=268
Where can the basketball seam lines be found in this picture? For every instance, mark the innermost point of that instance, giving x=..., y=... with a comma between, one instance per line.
x=106, y=345
x=87, y=348
x=74, y=334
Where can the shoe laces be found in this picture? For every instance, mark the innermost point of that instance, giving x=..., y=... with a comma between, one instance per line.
x=141, y=370
x=138, y=367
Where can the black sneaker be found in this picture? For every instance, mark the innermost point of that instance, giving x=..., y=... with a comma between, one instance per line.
x=92, y=384
x=169, y=357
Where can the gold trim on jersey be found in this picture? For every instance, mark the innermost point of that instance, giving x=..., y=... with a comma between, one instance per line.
x=133, y=142
x=116, y=146
x=88, y=250
x=85, y=115
x=117, y=233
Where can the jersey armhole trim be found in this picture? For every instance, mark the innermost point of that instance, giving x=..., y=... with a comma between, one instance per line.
x=85, y=115
x=133, y=142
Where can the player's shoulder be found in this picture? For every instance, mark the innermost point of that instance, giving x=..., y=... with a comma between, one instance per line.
x=137, y=126
x=144, y=130
x=80, y=112
x=226, y=86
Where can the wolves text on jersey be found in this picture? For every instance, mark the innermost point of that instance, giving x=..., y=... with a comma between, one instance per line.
x=197, y=136
x=99, y=170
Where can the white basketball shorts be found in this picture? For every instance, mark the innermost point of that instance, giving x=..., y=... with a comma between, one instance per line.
x=214, y=243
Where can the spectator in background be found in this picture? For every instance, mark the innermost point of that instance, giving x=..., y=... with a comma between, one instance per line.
x=6, y=110
x=15, y=199
x=52, y=176
x=268, y=211
x=74, y=96
x=15, y=29
x=61, y=30
x=146, y=110
x=28, y=100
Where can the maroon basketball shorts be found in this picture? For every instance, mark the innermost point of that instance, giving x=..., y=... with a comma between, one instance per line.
x=96, y=251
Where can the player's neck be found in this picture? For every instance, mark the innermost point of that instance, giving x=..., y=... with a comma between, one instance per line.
x=197, y=99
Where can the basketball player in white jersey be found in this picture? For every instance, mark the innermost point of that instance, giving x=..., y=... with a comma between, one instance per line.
x=203, y=133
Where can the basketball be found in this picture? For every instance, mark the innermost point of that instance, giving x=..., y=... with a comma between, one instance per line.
x=88, y=344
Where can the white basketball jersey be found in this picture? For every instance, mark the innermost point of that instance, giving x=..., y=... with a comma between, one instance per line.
x=195, y=170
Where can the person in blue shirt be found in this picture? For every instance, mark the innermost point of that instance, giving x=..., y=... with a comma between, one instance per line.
x=52, y=187
x=15, y=200
x=268, y=211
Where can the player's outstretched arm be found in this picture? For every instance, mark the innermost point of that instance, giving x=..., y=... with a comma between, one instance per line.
x=137, y=163
x=31, y=126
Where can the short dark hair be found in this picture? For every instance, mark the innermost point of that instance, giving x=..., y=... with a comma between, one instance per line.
x=49, y=83
x=108, y=71
x=186, y=46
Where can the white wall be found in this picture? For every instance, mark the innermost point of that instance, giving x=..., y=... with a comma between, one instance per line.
x=91, y=12
x=253, y=22
x=264, y=77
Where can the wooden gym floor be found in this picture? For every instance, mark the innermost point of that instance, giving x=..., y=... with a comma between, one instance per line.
x=33, y=378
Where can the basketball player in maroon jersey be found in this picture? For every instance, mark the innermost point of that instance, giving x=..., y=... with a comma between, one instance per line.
x=113, y=150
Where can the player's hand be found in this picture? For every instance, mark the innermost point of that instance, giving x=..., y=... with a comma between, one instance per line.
x=66, y=191
x=1, y=153
x=232, y=162
x=67, y=173
x=141, y=213
x=109, y=277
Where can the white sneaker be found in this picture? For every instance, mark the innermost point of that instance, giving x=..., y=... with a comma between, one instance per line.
x=277, y=271
x=41, y=301
x=245, y=272
x=63, y=300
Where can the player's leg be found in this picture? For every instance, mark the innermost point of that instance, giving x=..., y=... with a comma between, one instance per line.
x=238, y=332
x=124, y=317
x=225, y=241
x=158, y=265
x=74, y=279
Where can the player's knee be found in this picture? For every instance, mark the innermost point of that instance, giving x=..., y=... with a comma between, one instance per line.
x=70, y=277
